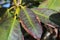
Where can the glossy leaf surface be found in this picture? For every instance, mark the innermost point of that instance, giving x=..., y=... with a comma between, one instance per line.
x=9, y=29
x=30, y=23
x=48, y=16
x=16, y=33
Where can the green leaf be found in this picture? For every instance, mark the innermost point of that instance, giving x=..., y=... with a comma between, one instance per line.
x=30, y=23
x=16, y=33
x=48, y=16
x=51, y=4
x=8, y=31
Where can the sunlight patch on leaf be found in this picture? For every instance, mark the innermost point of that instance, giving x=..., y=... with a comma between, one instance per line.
x=51, y=4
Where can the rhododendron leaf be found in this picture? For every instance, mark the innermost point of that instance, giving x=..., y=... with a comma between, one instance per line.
x=30, y=23
x=51, y=4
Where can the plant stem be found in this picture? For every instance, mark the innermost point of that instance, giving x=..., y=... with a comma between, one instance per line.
x=20, y=1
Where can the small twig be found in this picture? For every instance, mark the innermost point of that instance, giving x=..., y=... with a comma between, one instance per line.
x=55, y=29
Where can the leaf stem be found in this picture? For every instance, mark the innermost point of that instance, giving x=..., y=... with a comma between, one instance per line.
x=20, y=1
x=15, y=3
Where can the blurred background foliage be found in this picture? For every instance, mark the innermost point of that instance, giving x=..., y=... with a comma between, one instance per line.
x=28, y=20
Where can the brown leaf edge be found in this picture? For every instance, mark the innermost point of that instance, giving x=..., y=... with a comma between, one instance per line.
x=27, y=30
